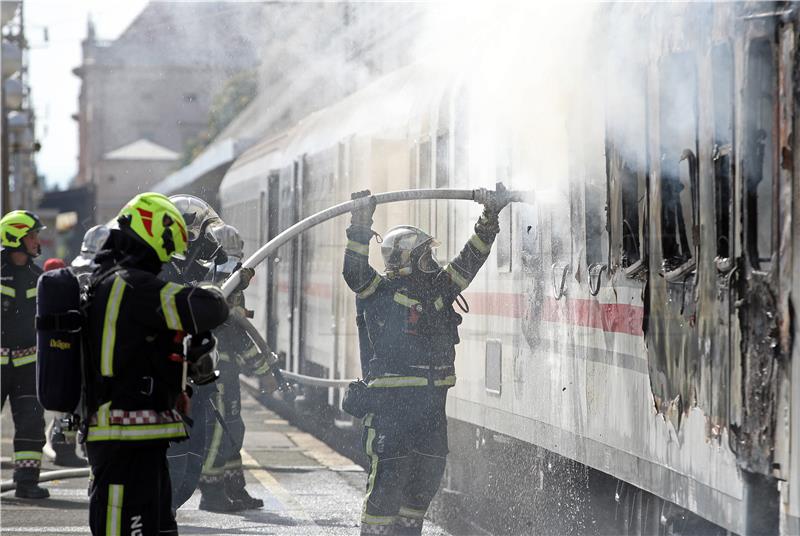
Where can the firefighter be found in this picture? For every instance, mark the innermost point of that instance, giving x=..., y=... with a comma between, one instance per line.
x=61, y=433
x=222, y=482
x=134, y=382
x=20, y=245
x=412, y=325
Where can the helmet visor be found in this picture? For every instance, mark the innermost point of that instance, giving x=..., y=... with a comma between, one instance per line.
x=428, y=263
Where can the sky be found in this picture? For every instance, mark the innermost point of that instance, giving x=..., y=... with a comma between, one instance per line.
x=54, y=88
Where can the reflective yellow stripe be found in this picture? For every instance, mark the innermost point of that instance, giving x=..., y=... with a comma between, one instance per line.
x=356, y=247
x=262, y=369
x=114, y=510
x=30, y=293
x=399, y=381
x=216, y=438
x=404, y=300
x=171, y=315
x=411, y=381
x=445, y=382
x=412, y=513
x=373, y=471
x=377, y=520
x=370, y=290
x=24, y=360
x=480, y=245
x=438, y=303
x=457, y=278
x=368, y=419
x=3, y=360
x=8, y=291
x=27, y=455
x=110, y=327
x=136, y=432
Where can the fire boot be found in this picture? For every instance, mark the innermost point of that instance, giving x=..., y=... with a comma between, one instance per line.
x=214, y=499
x=234, y=488
x=27, y=479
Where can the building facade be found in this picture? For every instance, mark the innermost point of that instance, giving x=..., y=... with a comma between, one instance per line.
x=146, y=95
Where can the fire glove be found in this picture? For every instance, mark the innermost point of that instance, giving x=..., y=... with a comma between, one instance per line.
x=201, y=355
x=362, y=215
x=495, y=201
x=245, y=276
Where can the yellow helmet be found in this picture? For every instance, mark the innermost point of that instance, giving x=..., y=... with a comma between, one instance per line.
x=153, y=219
x=15, y=225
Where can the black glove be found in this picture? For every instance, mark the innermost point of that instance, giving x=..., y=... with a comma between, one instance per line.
x=496, y=200
x=245, y=275
x=362, y=216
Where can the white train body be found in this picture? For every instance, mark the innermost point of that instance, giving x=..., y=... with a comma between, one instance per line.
x=558, y=349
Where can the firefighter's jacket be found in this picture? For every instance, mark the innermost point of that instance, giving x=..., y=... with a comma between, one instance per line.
x=18, y=287
x=133, y=320
x=410, y=320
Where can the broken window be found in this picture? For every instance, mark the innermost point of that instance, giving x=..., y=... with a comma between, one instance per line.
x=678, y=148
x=722, y=79
x=759, y=148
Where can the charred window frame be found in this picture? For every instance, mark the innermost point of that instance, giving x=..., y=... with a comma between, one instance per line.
x=678, y=150
x=758, y=160
x=722, y=156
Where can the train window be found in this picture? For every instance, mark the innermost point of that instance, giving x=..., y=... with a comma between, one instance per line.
x=758, y=158
x=678, y=148
x=443, y=159
x=722, y=79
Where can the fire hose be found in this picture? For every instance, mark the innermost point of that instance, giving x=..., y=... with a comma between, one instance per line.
x=480, y=195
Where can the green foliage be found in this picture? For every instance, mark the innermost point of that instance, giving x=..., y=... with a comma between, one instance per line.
x=234, y=97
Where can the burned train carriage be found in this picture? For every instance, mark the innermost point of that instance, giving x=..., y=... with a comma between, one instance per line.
x=628, y=348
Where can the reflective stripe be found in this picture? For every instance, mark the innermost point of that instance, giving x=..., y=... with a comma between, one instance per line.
x=262, y=369
x=27, y=455
x=24, y=360
x=370, y=290
x=114, y=510
x=110, y=327
x=171, y=315
x=411, y=381
x=412, y=513
x=457, y=278
x=480, y=245
x=8, y=291
x=357, y=247
x=216, y=438
x=30, y=293
x=233, y=464
x=399, y=381
x=368, y=419
x=404, y=300
x=136, y=432
x=445, y=382
x=377, y=520
x=3, y=360
x=438, y=303
x=373, y=471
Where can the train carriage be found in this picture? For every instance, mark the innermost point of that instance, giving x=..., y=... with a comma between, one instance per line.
x=631, y=332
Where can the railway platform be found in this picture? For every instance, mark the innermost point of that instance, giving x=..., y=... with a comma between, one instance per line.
x=307, y=488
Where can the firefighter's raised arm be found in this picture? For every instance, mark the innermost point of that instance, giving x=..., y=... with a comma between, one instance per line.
x=463, y=268
x=358, y=274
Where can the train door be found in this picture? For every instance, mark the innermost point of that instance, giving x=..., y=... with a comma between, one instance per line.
x=272, y=206
x=296, y=279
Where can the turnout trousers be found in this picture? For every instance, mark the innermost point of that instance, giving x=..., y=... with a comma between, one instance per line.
x=406, y=442
x=130, y=492
x=19, y=387
x=223, y=461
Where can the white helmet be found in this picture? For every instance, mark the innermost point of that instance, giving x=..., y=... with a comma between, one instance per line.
x=93, y=241
x=228, y=238
x=197, y=214
x=406, y=246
